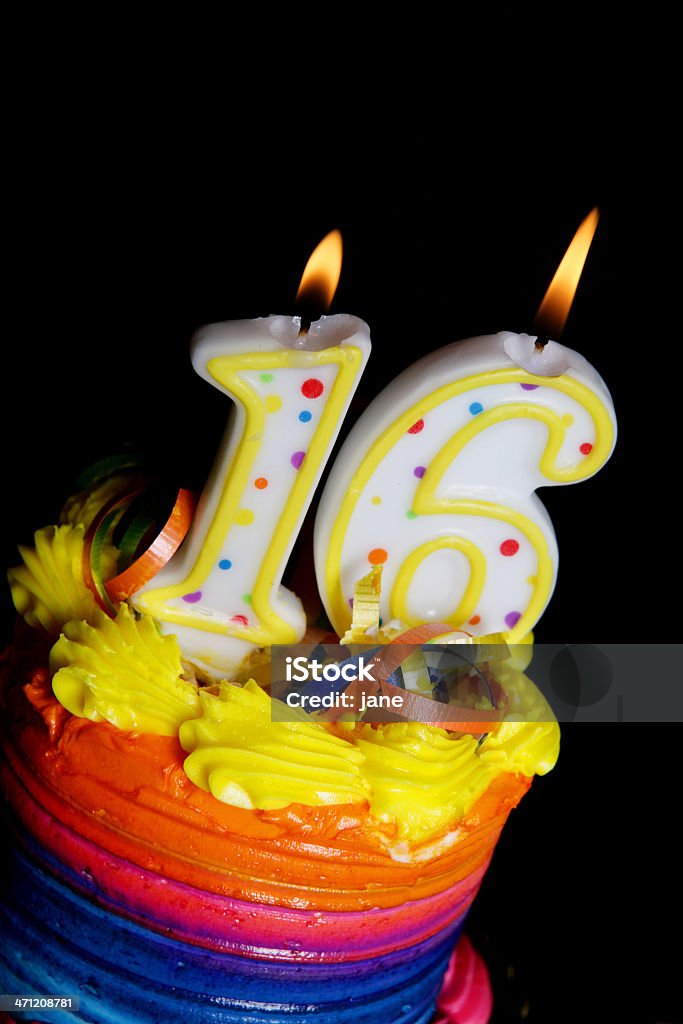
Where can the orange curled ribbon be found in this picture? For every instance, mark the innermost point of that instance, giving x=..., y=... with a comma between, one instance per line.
x=415, y=706
x=160, y=551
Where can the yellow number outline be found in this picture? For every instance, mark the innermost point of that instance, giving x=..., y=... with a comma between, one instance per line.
x=225, y=370
x=426, y=503
x=404, y=577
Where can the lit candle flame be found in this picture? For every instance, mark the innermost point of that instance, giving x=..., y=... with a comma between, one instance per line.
x=321, y=275
x=553, y=312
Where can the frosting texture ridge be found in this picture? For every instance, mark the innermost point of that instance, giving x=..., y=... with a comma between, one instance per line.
x=412, y=775
x=240, y=755
x=48, y=589
x=124, y=672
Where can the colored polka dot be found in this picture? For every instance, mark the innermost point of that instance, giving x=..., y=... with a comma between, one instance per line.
x=416, y=427
x=509, y=548
x=305, y=416
x=475, y=620
x=512, y=618
x=419, y=471
x=244, y=517
x=261, y=483
x=193, y=598
x=312, y=388
x=297, y=458
x=240, y=620
x=376, y=500
x=586, y=448
x=567, y=419
x=267, y=378
x=530, y=387
x=273, y=403
x=246, y=598
x=377, y=556
x=476, y=408
x=410, y=514
x=225, y=563
x=532, y=580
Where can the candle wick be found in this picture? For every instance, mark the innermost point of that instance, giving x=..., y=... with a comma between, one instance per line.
x=541, y=342
x=304, y=327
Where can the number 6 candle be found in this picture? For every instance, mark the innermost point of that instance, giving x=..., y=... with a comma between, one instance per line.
x=436, y=481
x=222, y=594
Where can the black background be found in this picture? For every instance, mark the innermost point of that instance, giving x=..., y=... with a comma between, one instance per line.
x=124, y=243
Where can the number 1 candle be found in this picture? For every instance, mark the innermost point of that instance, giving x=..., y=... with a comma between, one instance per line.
x=222, y=594
x=436, y=481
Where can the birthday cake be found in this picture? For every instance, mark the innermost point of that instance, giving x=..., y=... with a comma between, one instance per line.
x=185, y=844
x=175, y=853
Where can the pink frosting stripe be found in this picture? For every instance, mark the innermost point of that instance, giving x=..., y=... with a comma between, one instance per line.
x=466, y=996
x=231, y=925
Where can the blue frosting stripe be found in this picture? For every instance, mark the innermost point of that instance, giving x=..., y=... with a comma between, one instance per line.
x=57, y=941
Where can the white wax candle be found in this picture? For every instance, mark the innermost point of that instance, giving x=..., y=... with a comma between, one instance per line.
x=222, y=594
x=436, y=482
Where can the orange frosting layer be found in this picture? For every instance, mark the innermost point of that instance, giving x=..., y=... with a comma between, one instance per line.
x=128, y=793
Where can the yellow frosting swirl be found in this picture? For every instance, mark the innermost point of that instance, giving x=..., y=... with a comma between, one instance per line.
x=425, y=777
x=526, y=748
x=421, y=777
x=124, y=672
x=244, y=758
x=48, y=589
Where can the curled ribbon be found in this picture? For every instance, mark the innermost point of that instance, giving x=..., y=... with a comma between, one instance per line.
x=397, y=652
